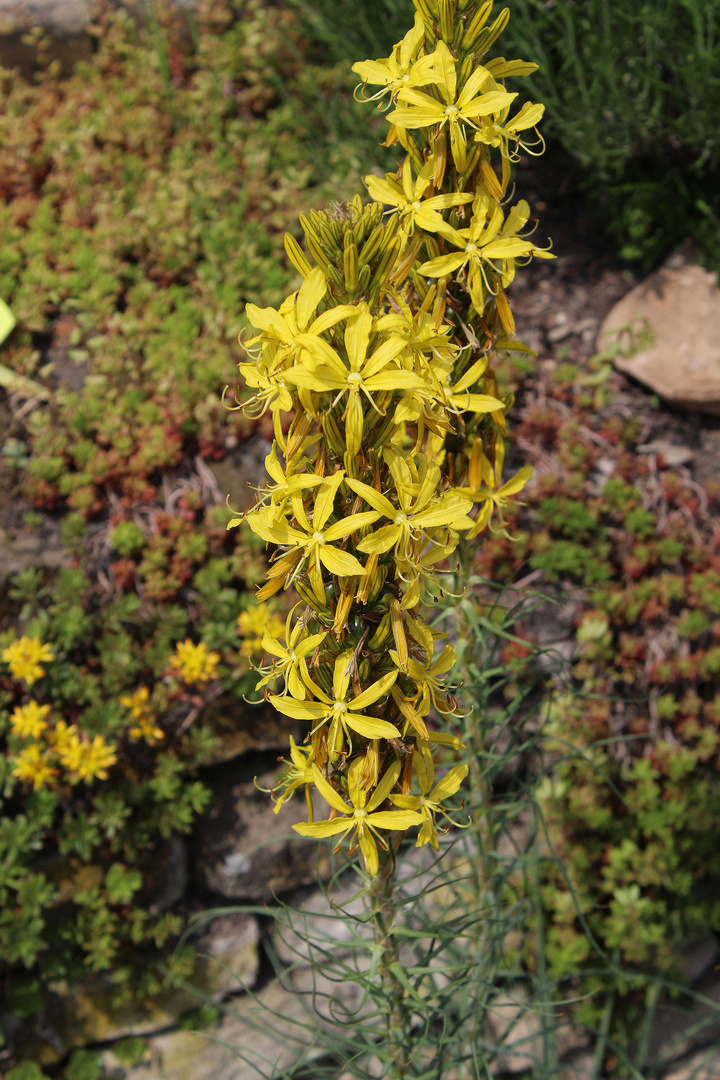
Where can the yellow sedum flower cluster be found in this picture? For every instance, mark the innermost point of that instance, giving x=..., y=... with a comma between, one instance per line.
x=389, y=425
x=194, y=663
x=55, y=753
x=25, y=657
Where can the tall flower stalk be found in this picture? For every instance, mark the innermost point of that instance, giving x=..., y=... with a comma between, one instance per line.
x=389, y=444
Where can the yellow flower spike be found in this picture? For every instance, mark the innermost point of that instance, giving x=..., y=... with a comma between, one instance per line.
x=342, y=714
x=370, y=502
x=29, y=721
x=360, y=815
x=25, y=658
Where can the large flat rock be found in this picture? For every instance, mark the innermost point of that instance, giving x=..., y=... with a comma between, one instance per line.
x=668, y=334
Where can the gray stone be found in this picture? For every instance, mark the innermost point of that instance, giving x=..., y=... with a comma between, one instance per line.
x=242, y=729
x=165, y=872
x=243, y=850
x=581, y=1067
x=707, y=461
x=323, y=923
x=26, y=550
x=58, y=17
x=262, y=1035
x=679, y=1030
x=667, y=331
x=515, y=1029
x=699, y=956
x=241, y=471
x=704, y=1065
x=671, y=453
x=65, y=22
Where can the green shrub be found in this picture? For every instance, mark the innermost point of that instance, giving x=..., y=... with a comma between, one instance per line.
x=633, y=738
x=633, y=94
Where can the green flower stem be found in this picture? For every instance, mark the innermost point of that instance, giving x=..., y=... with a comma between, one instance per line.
x=384, y=910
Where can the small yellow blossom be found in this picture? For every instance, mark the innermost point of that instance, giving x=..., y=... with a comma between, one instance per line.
x=24, y=658
x=146, y=729
x=31, y=765
x=137, y=702
x=66, y=740
x=28, y=721
x=145, y=726
x=194, y=662
x=95, y=759
x=252, y=625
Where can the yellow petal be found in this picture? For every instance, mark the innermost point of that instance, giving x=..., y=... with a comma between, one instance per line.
x=328, y=792
x=374, y=692
x=444, y=264
x=299, y=710
x=372, y=497
x=449, y=783
x=341, y=563
x=385, y=786
x=321, y=829
x=368, y=847
x=325, y=499
x=341, y=678
x=370, y=727
x=517, y=482
x=395, y=819
x=350, y=524
x=382, y=540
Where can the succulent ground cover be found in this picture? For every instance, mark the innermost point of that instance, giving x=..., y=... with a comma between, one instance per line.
x=628, y=543
x=128, y=252
x=143, y=200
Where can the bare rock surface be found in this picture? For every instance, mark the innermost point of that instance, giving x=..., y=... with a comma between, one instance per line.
x=261, y=1035
x=704, y=1065
x=243, y=729
x=668, y=332
x=243, y=850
